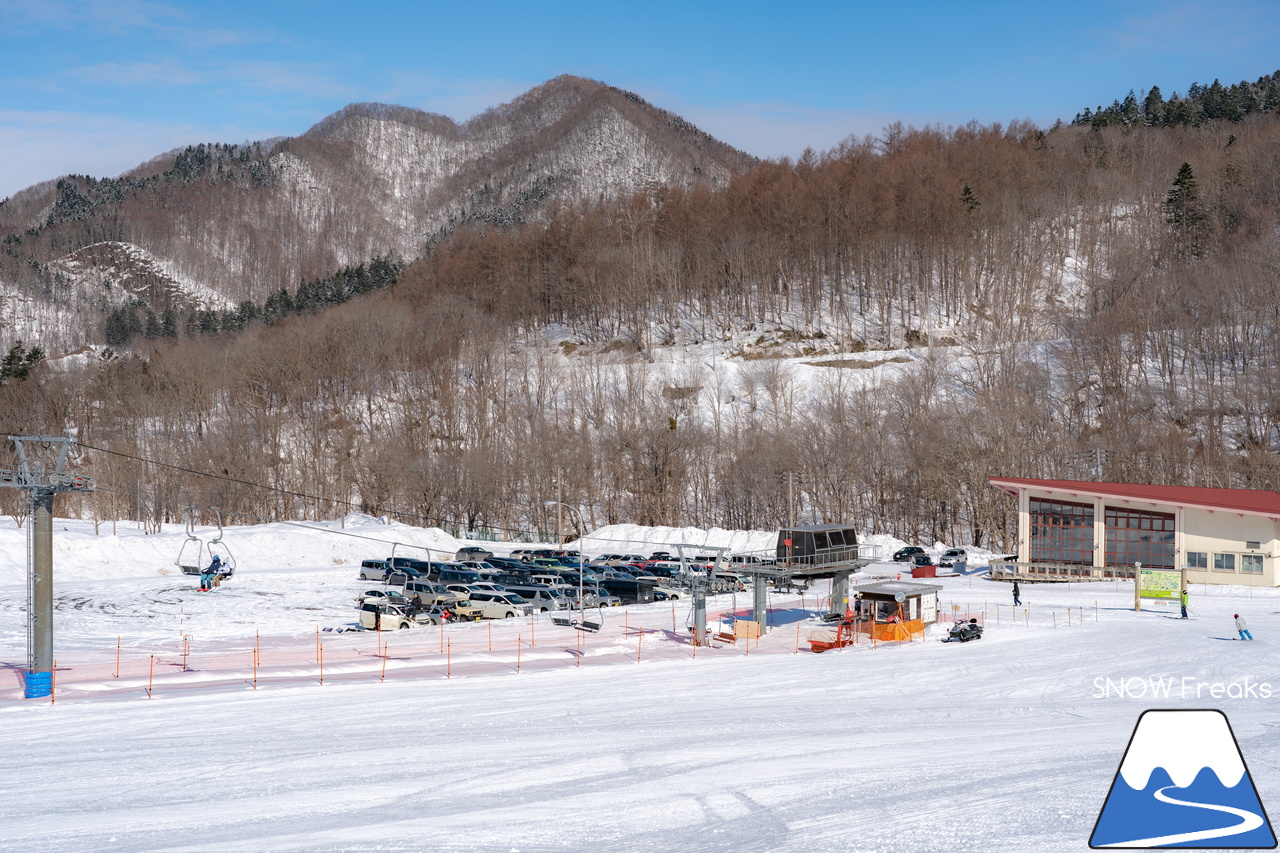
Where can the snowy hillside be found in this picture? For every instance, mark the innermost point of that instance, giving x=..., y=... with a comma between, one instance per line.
x=521, y=736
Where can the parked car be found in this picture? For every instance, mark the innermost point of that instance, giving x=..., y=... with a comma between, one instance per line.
x=402, y=575
x=542, y=598
x=601, y=598
x=430, y=592
x=423, y=566
x=669, y=593
x=374, y=570
x=381, y=595
x=447, y=573
x=383, y=616
x=951, y=557
x=504, y=563
x=659, y=555
x=907, y=554
x=485, y=586
x=500, y=605
x=473, y=552
x=464, y=610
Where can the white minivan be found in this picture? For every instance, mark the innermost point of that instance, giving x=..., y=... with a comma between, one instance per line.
x=500, y=605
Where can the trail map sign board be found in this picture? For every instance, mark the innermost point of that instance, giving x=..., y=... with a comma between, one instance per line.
x=1161, y=584
x=1157, y=585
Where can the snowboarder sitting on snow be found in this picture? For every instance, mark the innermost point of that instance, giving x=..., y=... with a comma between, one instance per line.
x=1243, y=629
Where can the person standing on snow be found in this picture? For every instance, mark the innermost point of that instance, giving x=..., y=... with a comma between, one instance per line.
x=1243, y=629
x=1184, y=598
x=1017, y=595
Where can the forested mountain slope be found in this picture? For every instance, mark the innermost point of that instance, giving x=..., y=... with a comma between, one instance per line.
x=668, y=357
x=214, y=226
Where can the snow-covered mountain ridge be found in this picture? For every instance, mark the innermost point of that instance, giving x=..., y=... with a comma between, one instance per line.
x=216, y=225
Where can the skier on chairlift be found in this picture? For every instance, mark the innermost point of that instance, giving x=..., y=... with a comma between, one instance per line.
x=206, y=577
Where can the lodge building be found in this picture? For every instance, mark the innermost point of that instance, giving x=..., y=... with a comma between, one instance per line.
x=1100, y=530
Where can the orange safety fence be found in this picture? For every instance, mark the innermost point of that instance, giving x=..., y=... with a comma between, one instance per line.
x=892, y=632
x=193, y=666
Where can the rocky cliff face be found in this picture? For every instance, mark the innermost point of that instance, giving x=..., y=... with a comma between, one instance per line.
x=214, y=225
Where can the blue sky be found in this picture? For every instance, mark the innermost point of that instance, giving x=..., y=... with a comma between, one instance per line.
x=98, y=87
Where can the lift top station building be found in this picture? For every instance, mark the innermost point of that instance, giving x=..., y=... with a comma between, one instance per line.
x=1076, y=530
x=818, y=551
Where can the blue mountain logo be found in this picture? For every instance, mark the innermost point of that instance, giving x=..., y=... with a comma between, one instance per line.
x=1183, y=783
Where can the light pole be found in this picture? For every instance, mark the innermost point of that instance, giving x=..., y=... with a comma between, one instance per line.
x=582, y=608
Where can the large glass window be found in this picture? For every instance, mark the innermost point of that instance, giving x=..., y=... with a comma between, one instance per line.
x=1197, y=560
x=1138, y=536
x=1251, y=564
x=1061, y=532
x=1224, y=562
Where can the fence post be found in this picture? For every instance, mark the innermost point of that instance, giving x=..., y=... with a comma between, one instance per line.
x=639, y=638
x=798, y=638
x=517, y=653
x=448, y=661
x=151, y=674
x=384, y=662
x=117, y=655
x=53, y=691
x=320, y=657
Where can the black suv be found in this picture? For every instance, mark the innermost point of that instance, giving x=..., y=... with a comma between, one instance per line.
x=907, y=554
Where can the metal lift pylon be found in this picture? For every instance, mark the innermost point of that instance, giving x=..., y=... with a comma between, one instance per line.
x=41, y=474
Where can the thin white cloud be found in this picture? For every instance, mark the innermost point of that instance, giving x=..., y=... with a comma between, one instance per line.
x=293, y=78
x=40, y=146
x=168, y=22
x=1217, y=28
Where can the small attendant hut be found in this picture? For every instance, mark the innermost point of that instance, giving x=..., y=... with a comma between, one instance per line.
x=897, y=610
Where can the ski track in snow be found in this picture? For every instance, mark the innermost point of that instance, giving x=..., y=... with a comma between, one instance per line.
x=993, y=745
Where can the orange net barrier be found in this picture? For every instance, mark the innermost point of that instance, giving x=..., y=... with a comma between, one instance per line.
x=893, y=632
x=504, y=647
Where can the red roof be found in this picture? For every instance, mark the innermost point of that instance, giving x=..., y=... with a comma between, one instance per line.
x=1241, y=501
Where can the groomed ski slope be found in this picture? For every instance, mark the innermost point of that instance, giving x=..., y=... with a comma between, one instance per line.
x=999, y=744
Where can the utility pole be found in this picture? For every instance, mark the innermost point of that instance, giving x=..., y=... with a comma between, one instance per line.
x=790, y=477
x=40, y=473
x=559, y=516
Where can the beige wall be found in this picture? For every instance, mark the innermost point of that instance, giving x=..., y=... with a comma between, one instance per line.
x=1226, y=532
x=1197, y=530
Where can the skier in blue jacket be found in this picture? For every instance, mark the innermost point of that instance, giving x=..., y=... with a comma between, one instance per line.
x=206, y=577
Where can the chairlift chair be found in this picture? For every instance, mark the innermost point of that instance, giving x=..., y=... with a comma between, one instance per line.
x=217, y=547
x=580, y=620
x=195, y=554
x=191, y=556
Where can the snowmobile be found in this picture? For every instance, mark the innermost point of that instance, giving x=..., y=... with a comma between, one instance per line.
x=963, y=632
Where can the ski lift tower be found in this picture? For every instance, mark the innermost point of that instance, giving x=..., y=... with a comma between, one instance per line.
x=41, y=473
